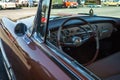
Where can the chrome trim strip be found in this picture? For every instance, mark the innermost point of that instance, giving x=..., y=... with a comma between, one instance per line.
x=6, y=63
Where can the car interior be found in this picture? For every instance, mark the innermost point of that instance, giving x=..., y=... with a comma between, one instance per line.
x=92, y=41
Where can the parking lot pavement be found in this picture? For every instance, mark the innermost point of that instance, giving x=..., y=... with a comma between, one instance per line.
x=18, y=13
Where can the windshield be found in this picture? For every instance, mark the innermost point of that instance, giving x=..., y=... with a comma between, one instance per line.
x=100, y=8
x=110, y=12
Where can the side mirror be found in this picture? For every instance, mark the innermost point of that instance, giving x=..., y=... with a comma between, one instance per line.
x=20, y=29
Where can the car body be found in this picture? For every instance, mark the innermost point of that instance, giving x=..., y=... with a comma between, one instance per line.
x=22, y=3
x=111, y=3
x=35, y=2
x=70, y=3
x=56, y=47
x=5, y=5
x=93, y=3
x=64, y=4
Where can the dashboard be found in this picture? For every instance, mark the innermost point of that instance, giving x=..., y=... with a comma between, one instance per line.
x=104, y=29
x=70, y=32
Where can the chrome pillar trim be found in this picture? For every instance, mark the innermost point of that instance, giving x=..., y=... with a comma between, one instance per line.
x=37, y=38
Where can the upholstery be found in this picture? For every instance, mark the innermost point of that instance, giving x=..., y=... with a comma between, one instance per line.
x=107, y=68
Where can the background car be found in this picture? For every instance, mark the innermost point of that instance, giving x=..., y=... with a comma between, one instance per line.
x=111, y=3
x=35, y=2
x=5, y=4
x=64, y=4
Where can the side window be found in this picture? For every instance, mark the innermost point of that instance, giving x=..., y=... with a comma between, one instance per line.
x=45, y=7
x=44, y=17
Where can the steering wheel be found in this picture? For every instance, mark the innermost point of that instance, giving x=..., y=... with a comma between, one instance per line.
x=77, y=40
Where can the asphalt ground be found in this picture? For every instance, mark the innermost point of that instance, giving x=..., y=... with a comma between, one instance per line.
x=14, y=14
x=18, y=13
